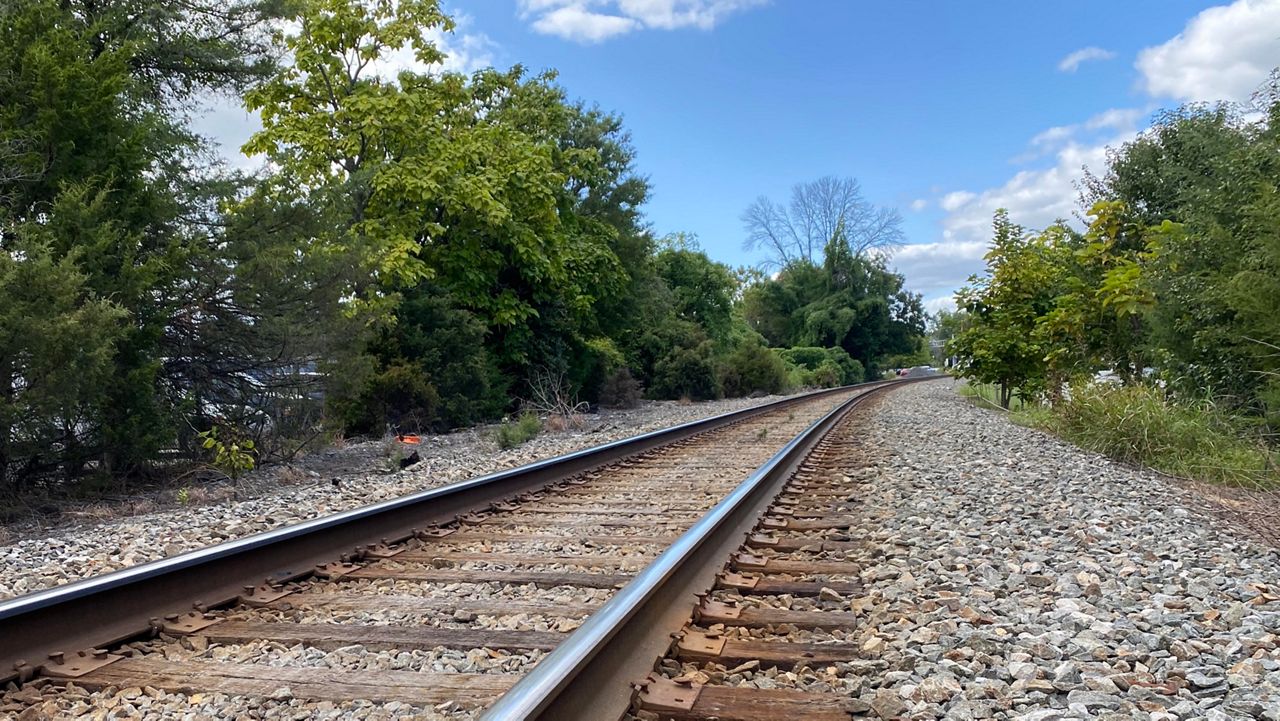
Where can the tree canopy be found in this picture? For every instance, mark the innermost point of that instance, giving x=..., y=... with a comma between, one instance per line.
x=1174, y=279
x=424, y=249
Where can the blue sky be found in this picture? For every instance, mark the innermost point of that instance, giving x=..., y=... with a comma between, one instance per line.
x=944, y=110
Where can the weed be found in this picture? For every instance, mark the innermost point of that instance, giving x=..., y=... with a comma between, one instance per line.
x=986, y=394
x=395, y=454
x=232, y=454
x=511, y=434
x=1138, y=424
x=764, y=432
x=183, y=496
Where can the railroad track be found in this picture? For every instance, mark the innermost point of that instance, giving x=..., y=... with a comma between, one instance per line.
x=443, y=619
x=789, y=601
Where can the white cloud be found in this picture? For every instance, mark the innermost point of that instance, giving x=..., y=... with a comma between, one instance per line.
x=937, y=303
x=465, y=52
x=919, y=204
x=577, y=23
x=931, y=268
x=593, y=21
x=1116, y=119
x=1070, y=63
x=1054, y=135
x=1223, y=53
x=956, y=200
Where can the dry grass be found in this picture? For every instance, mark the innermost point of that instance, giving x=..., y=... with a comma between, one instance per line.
x=291, y=476
x=558, y=423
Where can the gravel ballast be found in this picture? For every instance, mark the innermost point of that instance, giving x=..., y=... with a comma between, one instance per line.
x=1006, y=575
x=1015, y=576
x=40, y=560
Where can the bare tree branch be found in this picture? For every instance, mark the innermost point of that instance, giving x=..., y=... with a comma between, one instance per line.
x=818, y=209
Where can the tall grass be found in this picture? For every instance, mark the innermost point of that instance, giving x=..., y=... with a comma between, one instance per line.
x=512, y=433
x=1138, y=424
x=988, y=394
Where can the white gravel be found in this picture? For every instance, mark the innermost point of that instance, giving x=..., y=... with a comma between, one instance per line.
x=1009, y=575
x=61, y=555
x=1100, y=591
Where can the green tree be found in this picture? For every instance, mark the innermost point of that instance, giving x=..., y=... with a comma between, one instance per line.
x=58, y=342
x=1004, y=307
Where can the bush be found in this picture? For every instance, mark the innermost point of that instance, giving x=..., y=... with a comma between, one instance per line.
x=620, y=390
x=807, y=357
x=686, y=373
x=398, y=395
x=814, y=367
x=851, y=370
x=752, y=368
x=826, y=375
x=511, y=434
x=1137, y=424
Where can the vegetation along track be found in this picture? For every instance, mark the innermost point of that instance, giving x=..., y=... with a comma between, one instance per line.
x=443, y=619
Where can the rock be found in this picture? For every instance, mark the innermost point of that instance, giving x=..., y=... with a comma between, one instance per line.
x=1093, y=701
x=1023, y=670
x=826, y=594
x=936, y=689
x=887, y=705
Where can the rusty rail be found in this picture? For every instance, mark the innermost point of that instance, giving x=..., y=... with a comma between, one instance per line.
x=55, y=629
x=586, y=677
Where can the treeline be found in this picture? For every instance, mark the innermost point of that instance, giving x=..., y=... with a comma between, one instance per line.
x=424, y=250
x=1174, y=285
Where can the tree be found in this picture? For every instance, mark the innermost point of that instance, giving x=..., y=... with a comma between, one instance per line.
x=701, y=289
x=1000, y=344
x=799, y=230
x=94, y=147
x=850, y=301
x=58, y=342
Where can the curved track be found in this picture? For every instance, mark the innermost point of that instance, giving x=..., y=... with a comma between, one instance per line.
x=500, y=585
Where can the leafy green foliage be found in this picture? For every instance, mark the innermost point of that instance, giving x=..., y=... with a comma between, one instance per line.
x=850, y=302
x=1000, y=345
x=701, y=289
x=231, y=454
x=822, y=367
x=687, y=372
x=752, y=369
x=1137, y=424
x=58, y=340
x=513, y=433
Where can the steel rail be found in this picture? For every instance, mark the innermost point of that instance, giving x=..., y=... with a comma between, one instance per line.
x=585, y=677
x=116, y=606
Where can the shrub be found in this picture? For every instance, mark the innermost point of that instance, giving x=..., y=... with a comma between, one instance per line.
x=807, y=357
x=851, y=370
x=620, y=390
x=1137, y=424
x=511, y=434
x=232, y=454
x=814, y=367
x=686, y=372
x=826, y=375
x=752, y=368
x=399, y=395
